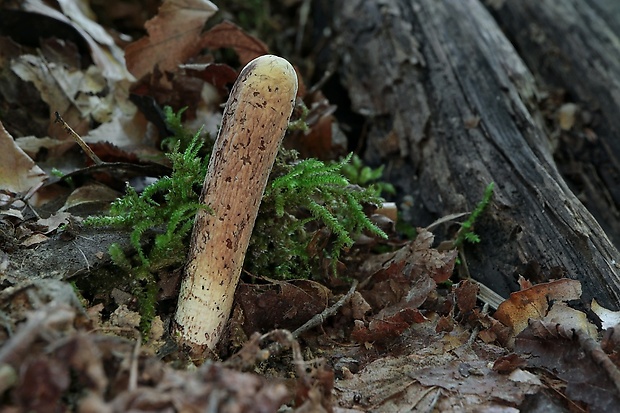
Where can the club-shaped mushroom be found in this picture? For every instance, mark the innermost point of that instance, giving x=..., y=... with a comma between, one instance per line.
x=254, y=122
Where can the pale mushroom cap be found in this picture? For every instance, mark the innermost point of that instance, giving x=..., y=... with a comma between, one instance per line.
x=268, y=71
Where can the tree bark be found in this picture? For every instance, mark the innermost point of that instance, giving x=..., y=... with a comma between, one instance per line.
x=573, y=46
x=450, y=106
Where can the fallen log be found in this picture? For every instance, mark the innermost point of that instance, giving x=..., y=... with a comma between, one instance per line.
x=572, y=47
x=450, y=106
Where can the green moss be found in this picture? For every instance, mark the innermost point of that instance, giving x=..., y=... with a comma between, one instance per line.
x=359, y=174
x=164, y=211
x=466, y=232
x=303, y=200
x=169, y=204
x=300, y=124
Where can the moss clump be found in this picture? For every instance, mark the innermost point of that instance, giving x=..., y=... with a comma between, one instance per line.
x=466, y=231
x=169, y=204
x=303, y=200
x=166, y=208
x=309, y=208
x=359, y=174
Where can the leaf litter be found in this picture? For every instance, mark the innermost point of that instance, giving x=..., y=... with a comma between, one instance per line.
x=405, y=339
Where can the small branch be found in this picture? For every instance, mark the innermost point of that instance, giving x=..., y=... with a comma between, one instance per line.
x=78, y=139
x=251, y=353
x=600, y=357
x=319, y=319
x=133, y=369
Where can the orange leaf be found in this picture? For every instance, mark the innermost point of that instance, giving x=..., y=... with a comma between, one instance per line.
x=534, y=302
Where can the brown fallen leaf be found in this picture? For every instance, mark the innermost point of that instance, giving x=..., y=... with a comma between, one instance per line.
x=410, y=274
x=427, y=375
x=576, y=358
x=18, y=173
x=466, y=296
x=508, y=363
x=227, y=34
x=89, y=194
x=438, y=264
x=534, y=303
x=402, y=284
x=174, y=35
x=476, y=379
x=281, y=304
x=386, y=327
x=219, y=75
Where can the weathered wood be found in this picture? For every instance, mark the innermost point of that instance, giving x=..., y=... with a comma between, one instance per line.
x=574, y=46
x=451, y=107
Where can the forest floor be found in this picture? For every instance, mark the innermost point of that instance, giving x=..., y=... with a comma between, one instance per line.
x=396, y=331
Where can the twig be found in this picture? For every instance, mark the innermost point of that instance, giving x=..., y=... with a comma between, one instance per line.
x=78, y=139
x=284, y=338
x=319, y=319
x=599, y=356
x=476, y=329
x=304, y=12
x=133, y=369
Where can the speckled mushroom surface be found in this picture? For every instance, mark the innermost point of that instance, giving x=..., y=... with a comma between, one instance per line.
x=255, y=121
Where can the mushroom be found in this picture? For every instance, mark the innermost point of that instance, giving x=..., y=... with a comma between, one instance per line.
x=254, y=123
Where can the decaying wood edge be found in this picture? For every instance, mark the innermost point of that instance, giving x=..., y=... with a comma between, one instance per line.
x=254, y=123
x=451, y=107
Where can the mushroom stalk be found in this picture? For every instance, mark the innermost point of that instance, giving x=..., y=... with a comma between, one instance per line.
x=254, y=122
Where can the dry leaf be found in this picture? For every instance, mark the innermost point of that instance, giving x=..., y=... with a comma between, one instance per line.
x=401, y=286
x=508, y=363
x=533, y=303
x=219, y=75
x=474, y=378
x=283, y=304
x=35, y=69
x=54, y=221
x=227, y=34
x=90, y=193
x=386, y=327
x=18, y=173
x=590, y=376
x=608, y=318
x=466, y=295
x=173, y=37
x=106, y=55
x=568, y=317
x=438, y=264
x=34, y=239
